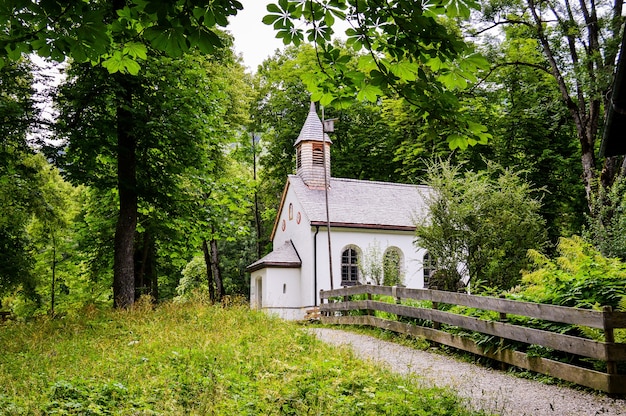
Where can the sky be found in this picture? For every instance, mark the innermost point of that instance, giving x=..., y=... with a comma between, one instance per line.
x=254, y=40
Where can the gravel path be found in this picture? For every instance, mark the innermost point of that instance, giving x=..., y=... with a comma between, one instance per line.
x=489, y=390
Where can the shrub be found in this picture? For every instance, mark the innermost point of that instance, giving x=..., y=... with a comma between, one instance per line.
x=580, y=277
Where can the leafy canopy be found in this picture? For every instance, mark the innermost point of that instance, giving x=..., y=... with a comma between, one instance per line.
x=406, y=48
x=112, y=33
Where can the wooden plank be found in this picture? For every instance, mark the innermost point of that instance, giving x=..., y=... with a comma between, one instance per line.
x=560, y=342
x=584, y=377
x=554, y=313
x=574, y=316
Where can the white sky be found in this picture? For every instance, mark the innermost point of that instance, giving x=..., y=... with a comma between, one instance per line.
x=254, y=40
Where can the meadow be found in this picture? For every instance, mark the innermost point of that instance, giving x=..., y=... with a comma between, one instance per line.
x=194, y=358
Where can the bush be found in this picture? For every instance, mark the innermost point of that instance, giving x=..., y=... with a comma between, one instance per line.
x=580, y=277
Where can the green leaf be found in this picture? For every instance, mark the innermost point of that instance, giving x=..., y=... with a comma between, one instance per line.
x=477, y=61
x=205, y=40
x=459, y=8
x=326, y=99
x=369, y=92
x=404, y=70
x=452, y=81
x=121, y=63
x=436, y=64
x=170, y=40
x=367, y=63
x=456, y=141
x=136, y=50
x=130, y=66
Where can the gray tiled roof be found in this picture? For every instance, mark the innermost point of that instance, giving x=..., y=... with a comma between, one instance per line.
x=312, y=128
x=283, y=256
x=362, y=204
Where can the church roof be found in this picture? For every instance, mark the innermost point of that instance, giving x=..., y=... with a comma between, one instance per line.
x=312, y=129
x=284, y=256
x=362, y=204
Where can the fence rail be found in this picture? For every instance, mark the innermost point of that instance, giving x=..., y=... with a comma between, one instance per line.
x=337, y=305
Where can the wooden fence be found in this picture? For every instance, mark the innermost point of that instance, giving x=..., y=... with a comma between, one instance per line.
x=336, y=306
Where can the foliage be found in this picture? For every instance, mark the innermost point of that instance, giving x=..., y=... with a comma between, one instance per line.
x=371, y=264
x=606, y=225
x=480, y=224
x=532, y=128
x=392, y=269
x=579, y=277
x=20, y=179
x=178, y=359
x=410, y=49
x=53, y=240
x=114, y=34
x=194, y=277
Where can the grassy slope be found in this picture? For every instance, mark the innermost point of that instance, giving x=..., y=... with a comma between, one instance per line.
x=194, y=359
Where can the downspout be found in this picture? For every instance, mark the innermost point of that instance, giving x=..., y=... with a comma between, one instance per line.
x=317, y=230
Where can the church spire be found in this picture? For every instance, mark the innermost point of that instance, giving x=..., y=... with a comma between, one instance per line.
x=312, y=146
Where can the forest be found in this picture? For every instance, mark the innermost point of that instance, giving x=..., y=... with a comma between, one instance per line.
x=155, y=164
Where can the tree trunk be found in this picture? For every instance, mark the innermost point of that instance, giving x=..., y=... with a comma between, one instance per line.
x=123, y=258
x=215, y=268
x=209, y=272
x=54, y=268
x=145, y=268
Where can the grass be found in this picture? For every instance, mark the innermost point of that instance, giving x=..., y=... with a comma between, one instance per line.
x=195, y=359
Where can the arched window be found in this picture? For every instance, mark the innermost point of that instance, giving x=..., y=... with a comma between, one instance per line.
x=392, y=267
x=429, y=266
x=349, y=267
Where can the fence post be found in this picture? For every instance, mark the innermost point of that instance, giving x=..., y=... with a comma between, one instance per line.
x=394, y=293
x=609, y=337
x=503, y=318
x=369, y=312
x=436, y=325
x=346, y=298
x=322, y=303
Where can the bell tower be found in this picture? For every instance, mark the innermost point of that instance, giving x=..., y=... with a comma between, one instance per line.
x=313, y=151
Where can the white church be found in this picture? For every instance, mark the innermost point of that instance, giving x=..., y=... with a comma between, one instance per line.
x=365, y=217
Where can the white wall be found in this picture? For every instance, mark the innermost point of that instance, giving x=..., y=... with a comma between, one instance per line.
x=363, y=239
x=298, y=230
x=278, y=289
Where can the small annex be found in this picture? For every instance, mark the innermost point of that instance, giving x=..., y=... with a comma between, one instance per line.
x=368, y=219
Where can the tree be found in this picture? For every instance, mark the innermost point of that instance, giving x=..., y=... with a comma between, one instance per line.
x=132, y=134
x=579, y=43
x=51, y=234
x=19, y=176
x=532, y=129
x=480, y=224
